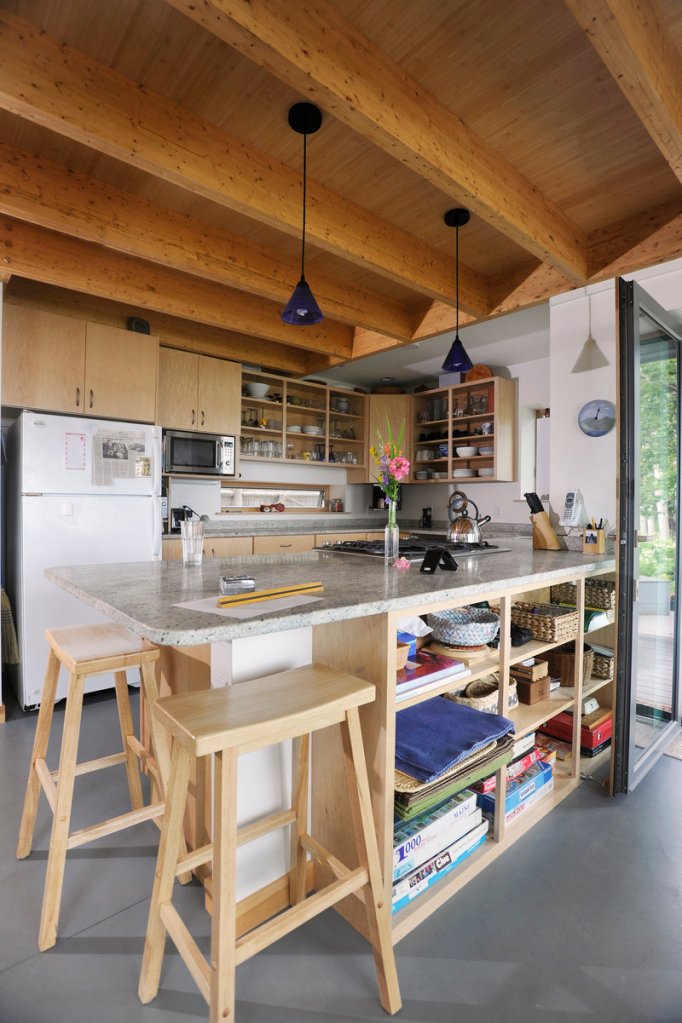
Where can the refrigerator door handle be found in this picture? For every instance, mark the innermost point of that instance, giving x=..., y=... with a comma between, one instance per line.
x=156, y=528
x=156, y=460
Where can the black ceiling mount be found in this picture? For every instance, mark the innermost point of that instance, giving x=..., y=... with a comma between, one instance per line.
x=305, y=118
x=455, y=218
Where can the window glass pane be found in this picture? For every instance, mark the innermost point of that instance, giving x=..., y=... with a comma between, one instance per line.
x=293, y=498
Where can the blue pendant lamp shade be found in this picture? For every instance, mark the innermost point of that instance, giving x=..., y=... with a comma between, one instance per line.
x=302, y=309
x=457, y=360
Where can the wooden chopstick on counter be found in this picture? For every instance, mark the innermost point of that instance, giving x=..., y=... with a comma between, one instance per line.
x=255, y=596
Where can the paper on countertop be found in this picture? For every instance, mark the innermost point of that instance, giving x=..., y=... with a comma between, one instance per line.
x=209, y=605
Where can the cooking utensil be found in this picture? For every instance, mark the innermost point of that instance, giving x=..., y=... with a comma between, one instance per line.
x=463, y=528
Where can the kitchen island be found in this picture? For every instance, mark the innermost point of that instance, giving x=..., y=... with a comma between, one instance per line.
x=351, y=626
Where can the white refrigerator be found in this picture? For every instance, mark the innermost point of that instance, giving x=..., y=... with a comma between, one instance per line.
x=83, y=491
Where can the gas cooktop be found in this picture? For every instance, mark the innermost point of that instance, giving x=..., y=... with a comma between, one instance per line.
x=412, y=547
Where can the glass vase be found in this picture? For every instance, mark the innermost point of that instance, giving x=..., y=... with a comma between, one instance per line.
x=391, y=534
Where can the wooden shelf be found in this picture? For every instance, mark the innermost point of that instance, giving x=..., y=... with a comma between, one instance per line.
x=452, y=685
x=528, y=718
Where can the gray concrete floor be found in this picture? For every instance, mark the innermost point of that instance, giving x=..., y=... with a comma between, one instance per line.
x=580, y=920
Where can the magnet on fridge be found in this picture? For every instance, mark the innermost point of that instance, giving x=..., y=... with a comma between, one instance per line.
x=66, y=508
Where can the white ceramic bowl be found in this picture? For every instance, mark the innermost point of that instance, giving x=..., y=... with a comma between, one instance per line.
x=485, y=472
x=313, y=431
x=257, y=390
x=462, y=473
x=466, y=452
x=486, y=451
x=294, y=429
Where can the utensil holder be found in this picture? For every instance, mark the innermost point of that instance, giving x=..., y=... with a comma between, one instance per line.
x=594, y=541
x=544, y=536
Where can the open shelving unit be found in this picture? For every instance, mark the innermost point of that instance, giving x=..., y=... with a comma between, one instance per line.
x=368, y=648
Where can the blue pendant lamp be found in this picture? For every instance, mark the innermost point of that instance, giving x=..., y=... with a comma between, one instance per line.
x=457, y=360
x=302, y=309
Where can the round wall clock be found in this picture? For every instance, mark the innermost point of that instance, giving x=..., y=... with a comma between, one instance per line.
x=597, y=417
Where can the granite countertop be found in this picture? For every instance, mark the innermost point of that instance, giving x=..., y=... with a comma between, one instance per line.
x=142, y=595
x=273, y=522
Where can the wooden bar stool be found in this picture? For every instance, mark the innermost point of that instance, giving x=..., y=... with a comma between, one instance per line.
x=86, y=650
x=225, y=723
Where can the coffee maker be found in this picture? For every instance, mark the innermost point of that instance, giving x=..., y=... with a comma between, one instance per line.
x=425, y=522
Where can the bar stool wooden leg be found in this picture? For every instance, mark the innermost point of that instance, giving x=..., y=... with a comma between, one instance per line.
x=300, y=770
x=125, y=720
x=378, y=920
x=61, y=820
x=224, y=919
x=40, y=744
x=169, y=850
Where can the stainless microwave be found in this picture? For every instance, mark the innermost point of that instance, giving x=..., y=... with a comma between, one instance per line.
x=201, y=454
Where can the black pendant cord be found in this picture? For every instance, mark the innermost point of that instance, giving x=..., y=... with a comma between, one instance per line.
x=457, y=283
x=305, y=178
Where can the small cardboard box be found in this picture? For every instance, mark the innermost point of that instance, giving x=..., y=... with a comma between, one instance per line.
x=531, y=672
x=532, y=691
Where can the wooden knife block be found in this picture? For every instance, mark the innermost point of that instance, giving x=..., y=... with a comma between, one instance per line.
x=544, y=537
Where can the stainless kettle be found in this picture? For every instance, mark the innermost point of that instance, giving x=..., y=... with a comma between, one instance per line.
x=463, y=528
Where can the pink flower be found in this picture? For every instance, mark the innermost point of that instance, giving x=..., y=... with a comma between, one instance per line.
x=402, y=564
x=398, y=467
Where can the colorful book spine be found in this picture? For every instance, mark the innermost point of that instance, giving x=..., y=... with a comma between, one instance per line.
x=416, y=850
x=514, y=769
x=519, y=788
x=513, y=815
x=433, y=870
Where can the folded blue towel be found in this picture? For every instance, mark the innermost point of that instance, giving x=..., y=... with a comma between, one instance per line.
x=435, y=735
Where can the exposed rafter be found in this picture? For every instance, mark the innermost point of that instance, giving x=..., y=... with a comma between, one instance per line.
x=364, y=88
x=62, y=89
x=634, y=44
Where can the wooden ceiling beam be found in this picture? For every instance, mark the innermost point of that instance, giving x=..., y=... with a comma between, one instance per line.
x=42, y=255
x=171, y=330
x=62, y=89
x=51, y=196
x=634, y=43
x=314, y=49
x=652, y=237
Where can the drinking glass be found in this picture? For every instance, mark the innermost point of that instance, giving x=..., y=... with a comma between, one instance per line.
x=192, y=533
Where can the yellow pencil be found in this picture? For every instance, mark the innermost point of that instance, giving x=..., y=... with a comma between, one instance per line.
x=255, y=596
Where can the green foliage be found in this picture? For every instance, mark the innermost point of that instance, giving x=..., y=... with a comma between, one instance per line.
x=658, y=437
x=657, y=559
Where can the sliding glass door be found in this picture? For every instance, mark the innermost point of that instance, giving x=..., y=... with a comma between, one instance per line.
x=648, y=696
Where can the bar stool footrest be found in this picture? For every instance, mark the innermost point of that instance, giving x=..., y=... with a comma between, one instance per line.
x=114, y=824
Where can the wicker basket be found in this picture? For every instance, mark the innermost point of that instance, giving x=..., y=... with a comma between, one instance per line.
x=599, y=593
x=562, y=662
x=602, y=667
x=482, y=695
x=464, y=626
x=548, y=623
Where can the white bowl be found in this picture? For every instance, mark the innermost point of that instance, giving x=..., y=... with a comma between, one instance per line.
x=466, y=452
x=486, y=472
x=294, y=429
x=257, y=390
x=314, y=431
x=486, y=451
x=461, y=473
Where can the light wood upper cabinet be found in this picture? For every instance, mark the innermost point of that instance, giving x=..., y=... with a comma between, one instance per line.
x=197, y=392
x=43, y=360
x=120, y=373
x=65, y=364
x=398, y=409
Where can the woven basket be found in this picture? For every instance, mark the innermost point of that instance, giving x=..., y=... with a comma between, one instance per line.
x=602, y=667
x=547, y=623
x=464, y=626
x=482, y=695
x=562, y=663
x=599, y=593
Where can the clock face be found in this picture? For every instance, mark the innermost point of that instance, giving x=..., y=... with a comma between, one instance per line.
x=597, y=417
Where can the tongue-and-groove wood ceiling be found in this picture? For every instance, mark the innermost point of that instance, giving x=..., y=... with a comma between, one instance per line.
x=146, y=159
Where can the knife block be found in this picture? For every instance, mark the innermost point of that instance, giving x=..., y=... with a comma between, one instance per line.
x=544, y=537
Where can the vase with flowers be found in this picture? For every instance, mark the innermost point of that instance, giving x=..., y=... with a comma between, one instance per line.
x=392, y=468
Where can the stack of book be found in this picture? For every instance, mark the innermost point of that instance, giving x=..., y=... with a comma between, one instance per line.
x=427, y=848
x=426, y=671
x=518, y=766
x=523, y=792
x=595, y=730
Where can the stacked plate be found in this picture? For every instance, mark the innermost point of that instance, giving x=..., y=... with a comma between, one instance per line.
x=312, y=431
x=294, y=429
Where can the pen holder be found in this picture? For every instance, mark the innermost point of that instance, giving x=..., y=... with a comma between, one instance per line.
x=594, y=541
x=544, y=537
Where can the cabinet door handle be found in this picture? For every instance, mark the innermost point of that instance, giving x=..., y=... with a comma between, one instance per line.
x=286, y=545
x=193, y=417
x=78, y=397
x=92, y=398
x=203, y=417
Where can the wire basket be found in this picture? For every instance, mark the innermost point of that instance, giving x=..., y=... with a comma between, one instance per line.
x=482, y=694
x=464, y=626
x=562, y=663
x=599, y=593
x=548, y=623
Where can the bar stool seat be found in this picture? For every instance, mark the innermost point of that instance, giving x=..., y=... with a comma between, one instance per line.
x=237, y=719
x=86, y=650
